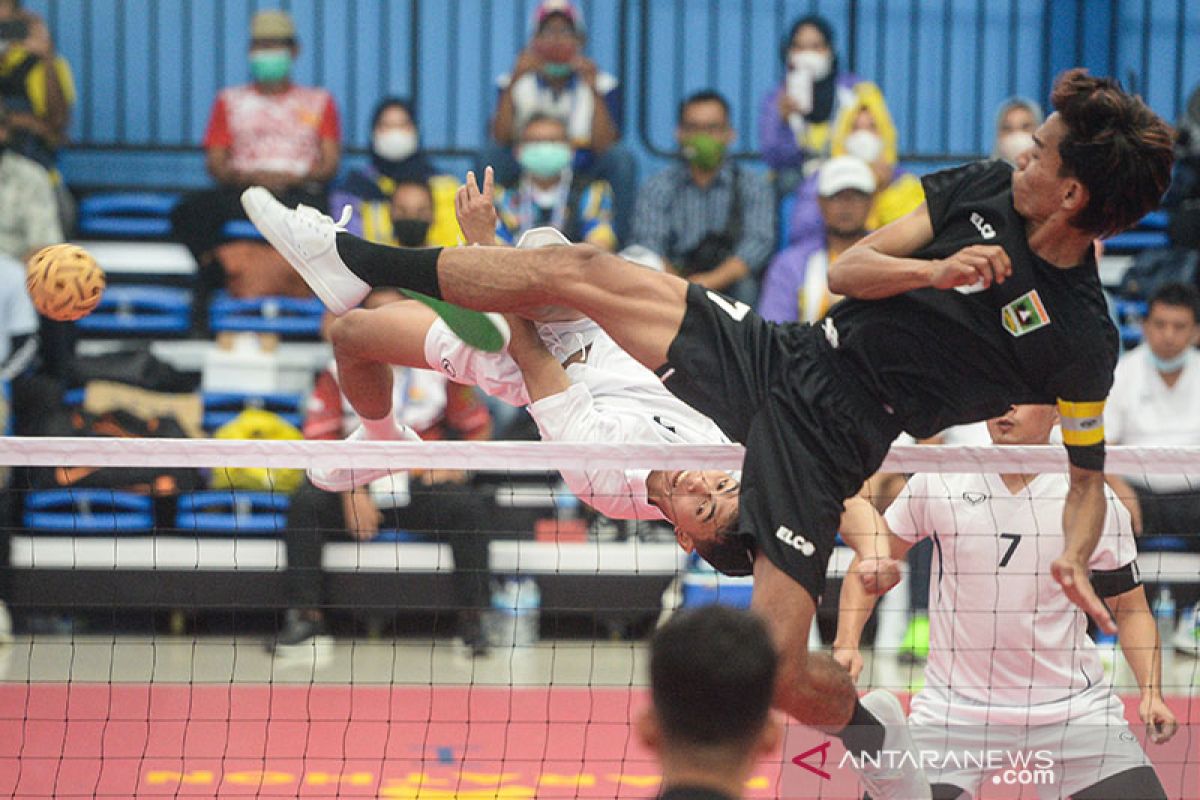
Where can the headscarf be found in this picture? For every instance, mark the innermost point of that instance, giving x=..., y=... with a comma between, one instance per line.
x=414, y=169
x=824, y=90
x=1007, y=106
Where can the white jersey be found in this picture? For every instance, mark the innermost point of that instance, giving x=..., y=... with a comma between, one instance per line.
x=1004, y=641
x=612, y=399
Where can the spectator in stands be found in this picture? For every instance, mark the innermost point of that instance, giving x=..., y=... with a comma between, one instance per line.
x=550, y=192
x=396, y=157
x=411, y=214
x=1016, y=120
x=712, y=672
x=796, y=119
x=795, y=288
x=552, y=76
x=863, y=129
x=1155, y=400
x=440, y=504
x=270, y=132
x=38, y=90
x=712, y=220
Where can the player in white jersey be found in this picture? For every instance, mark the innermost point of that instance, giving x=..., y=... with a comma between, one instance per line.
x=1011, y=668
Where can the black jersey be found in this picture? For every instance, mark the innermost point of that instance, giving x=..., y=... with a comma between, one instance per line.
x=942, y=358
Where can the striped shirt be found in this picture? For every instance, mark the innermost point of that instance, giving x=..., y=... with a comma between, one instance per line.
x=674, y=214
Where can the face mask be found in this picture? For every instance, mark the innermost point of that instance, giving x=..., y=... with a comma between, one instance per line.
x=394, y=144
x=553, y=69
x=704, y=151
x=410, y=232
x=1168, y=365
x=818, y=65
x=1013, y=144
x=865, y=145
x=545, y=159
x=270, y=66
x=557, y=55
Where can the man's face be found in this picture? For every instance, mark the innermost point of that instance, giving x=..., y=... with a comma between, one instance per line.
x=707, y=117
x=557, y=42
x=1024, y=424
x=412, y=202
x=1017, y=119
x=845, y=213
x=1038, y=188
x=699, y=503
x=1169, y=330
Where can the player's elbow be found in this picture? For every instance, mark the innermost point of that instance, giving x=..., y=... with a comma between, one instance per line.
x=838, y=277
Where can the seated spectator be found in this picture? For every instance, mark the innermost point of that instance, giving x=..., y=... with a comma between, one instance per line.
x=271, y=133
x=437, y=503
x=796, y=119
x=796, y=287
x=712, y=676
x=1155, y=400
x=38, y=90
x=1016, y=120
x=712, y=220
x=553, y=77
x=396, y=157
x=411, y=213
x=864, y=129
x=550, y=192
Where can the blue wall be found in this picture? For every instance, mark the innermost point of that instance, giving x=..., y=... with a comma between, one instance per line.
x=147, y=70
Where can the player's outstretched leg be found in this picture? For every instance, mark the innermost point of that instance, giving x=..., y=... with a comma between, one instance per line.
x=641, y=309
x=308, y=240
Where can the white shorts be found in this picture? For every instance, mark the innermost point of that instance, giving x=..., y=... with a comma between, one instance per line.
x=496, y=373
x=1057, y=760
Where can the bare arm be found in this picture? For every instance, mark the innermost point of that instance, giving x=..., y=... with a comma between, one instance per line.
x=544, y=376
x=855, y=605
x=604, y=130
x=476, y=210
x=1128, y=498
x=503, y=123
x=879, y=266
x=1139, y=642
x=1083, y=521
x=327, y=164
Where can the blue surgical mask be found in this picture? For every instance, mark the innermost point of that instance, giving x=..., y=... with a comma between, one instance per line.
x=1168, y=365
x=556, y=70
x=271, y=66
x=545, y=159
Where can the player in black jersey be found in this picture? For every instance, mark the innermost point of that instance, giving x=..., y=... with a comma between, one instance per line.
x=985, y=296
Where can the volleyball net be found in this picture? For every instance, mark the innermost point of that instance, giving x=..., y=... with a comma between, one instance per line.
x=193, y=618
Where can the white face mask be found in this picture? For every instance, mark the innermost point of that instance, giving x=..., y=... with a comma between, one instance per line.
x=1013, y=144
x=865, y=145
x=395, y=144
x=818, y=65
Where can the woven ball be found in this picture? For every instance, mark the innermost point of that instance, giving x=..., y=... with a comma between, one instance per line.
x=64, y=282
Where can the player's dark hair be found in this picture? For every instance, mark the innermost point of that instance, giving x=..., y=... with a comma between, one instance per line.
x=1115, y=146
x=703, y=96
x=712, y=676
x=1181, y=295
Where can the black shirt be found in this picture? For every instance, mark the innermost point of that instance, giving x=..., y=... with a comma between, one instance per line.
x=941, y=358
x=693, y=793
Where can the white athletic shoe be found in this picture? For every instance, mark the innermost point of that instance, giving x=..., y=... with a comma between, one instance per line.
x=1187, y=634
x=6, y=630
x=307, y=239
x=899, y=775
x=542, y=237
x=343, y=479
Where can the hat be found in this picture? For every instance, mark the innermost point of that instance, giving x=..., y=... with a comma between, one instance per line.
x=274, y=24
x=563, y=7
x=845, y=172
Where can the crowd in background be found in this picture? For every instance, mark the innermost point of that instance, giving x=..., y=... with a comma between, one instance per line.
x=764, y=233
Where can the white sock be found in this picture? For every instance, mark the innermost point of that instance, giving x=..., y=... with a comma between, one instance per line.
x=384, y=429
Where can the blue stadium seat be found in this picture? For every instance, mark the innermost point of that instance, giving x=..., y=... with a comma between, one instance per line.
x=1129, y=314
x=88, y=511
x=1149, y=234
x=220, y=407
x=786, y=205
x=702, y=585
x=235, y=513
x=241, y=229
x=127, y=215
x=141, y=310
x=400, y=536
x=1163, y=544
x=286, y=316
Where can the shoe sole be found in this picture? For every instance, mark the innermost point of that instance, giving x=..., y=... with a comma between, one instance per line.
x=257, y=202
x=486, y=332
x=355, y=479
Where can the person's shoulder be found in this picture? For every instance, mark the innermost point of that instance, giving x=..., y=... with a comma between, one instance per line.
x=23, y=167
x=753, y=178
x=665, y=178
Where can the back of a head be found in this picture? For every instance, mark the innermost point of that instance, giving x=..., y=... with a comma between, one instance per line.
x=1116, y=146
x=712, y=677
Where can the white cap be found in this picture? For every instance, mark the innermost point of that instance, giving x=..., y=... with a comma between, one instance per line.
x=845, y=172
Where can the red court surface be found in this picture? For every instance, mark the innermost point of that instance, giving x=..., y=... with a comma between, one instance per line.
x=257, y=740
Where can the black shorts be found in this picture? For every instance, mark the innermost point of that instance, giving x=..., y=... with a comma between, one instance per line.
x=812, y=432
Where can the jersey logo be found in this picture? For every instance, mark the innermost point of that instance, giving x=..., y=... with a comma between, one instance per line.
x=737, y=309
x=660, y=421
x=787, y=536
x=984, y=228
x=448, y=368
x=1024, y=315
x=974, y=498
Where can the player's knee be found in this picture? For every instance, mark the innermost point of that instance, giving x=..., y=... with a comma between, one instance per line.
x=347, y=331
